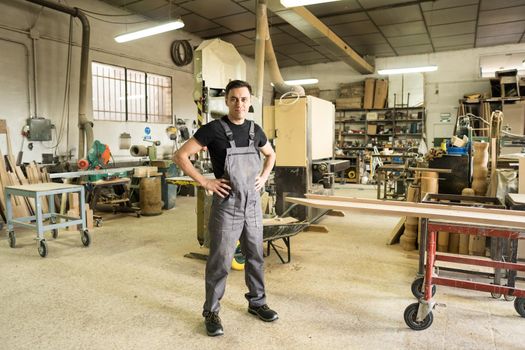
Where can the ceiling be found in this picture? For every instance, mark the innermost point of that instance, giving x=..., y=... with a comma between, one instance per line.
x=379, y=28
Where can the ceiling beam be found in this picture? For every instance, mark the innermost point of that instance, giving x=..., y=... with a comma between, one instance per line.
x=304, y=21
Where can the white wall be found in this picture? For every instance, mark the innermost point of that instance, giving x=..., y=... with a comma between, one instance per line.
x=148, y=54
x=457, y=75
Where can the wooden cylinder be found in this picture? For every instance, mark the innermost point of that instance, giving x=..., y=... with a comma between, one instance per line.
x=453, y=243
x=476, y=245
x=480, y=170
x=408, y=239
x=150, y=196
x=442, y=243
x=429, y=182
x=464, y=239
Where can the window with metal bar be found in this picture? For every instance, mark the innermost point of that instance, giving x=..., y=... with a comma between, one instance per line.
x=122, y=94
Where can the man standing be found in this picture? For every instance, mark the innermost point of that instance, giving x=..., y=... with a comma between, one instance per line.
x=233, y=144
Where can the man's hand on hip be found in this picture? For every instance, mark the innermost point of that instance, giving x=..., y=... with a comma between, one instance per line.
x=260, y=181
x=218, y=186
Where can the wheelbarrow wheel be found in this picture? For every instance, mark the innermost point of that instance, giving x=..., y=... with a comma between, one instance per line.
x=519, y=305
x=410, y=316
x=12, y=238
x=86, y=238
x=418, y=289
x=42, y=248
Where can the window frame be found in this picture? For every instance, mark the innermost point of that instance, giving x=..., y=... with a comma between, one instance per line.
x=155, y=119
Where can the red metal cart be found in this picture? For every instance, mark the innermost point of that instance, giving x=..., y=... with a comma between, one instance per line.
x=418, y=316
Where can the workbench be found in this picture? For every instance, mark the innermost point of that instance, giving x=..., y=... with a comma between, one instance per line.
x=418, y=316
x=38, y=192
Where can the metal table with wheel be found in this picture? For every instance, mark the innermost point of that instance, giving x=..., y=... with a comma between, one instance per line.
x=37, y=221
x=418, y=316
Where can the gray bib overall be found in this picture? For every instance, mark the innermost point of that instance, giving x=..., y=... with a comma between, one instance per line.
x=236, y=217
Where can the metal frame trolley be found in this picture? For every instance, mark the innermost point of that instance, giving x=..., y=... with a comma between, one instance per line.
x=418, y=316
x=37, y=192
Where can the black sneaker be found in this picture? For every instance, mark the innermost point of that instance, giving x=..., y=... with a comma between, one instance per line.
x=264, y=312
x=213, y=323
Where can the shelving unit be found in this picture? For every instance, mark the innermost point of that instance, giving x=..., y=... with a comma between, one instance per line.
x=364, y=129
x=359, y=131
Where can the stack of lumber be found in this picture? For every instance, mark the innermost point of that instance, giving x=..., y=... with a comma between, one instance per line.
x=12, y=175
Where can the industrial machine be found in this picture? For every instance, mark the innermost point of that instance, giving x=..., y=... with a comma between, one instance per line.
x=98, y=156
x=302, y=128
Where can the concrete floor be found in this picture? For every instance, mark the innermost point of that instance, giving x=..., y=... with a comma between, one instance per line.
x=133, y=289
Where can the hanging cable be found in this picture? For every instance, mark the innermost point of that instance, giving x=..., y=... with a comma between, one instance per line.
x=112, y=22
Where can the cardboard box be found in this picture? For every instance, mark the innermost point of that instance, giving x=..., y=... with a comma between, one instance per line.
x=368, y=101
x=371, y=116
x=352, y=90
x=348, y=103
x=380, y=93
x=371, y=129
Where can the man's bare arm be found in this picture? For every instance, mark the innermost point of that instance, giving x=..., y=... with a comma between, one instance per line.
x=181, y=158
x=269, y=161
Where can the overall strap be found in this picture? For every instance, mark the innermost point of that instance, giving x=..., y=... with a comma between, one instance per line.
x=229, y=133
x=252, y=132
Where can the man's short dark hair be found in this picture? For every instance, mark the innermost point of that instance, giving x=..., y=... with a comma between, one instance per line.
x=235, y=84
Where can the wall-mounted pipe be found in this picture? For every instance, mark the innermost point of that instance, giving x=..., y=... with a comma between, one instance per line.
x=28, y=65
x=85, y=124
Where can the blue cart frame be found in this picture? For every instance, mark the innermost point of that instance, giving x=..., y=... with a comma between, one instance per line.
x=37, y=192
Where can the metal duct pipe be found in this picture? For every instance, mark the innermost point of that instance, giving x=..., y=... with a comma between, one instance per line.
x=260, y=38
x=263, y=33
x=85, y=125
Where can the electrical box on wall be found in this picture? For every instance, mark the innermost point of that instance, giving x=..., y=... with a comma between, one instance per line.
x=39, y=129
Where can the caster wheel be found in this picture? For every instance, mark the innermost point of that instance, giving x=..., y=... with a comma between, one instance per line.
x=519, y=305
x=42, y=248
x=138, y=214
x=55, y=233
x=98, y=222
x=496, y=295
x=12, y=239
x=86, y=238
x=509, y=297
x=53, y=220
x=410, y=316
x=418, y=289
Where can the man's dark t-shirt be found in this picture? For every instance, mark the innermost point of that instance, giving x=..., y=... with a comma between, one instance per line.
x=214, y=137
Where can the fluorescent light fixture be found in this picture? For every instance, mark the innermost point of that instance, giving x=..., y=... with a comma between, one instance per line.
x=407, y=70
x=295, y=3
x=302, y=81
x=166, y=27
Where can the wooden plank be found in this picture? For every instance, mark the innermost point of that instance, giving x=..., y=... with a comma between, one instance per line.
x=316, y=228
x=410, y=205
x=3, y=126
x=279, y=221
x=438, y=212
x=9, y=147
x=397, y=231
x=89, y=217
